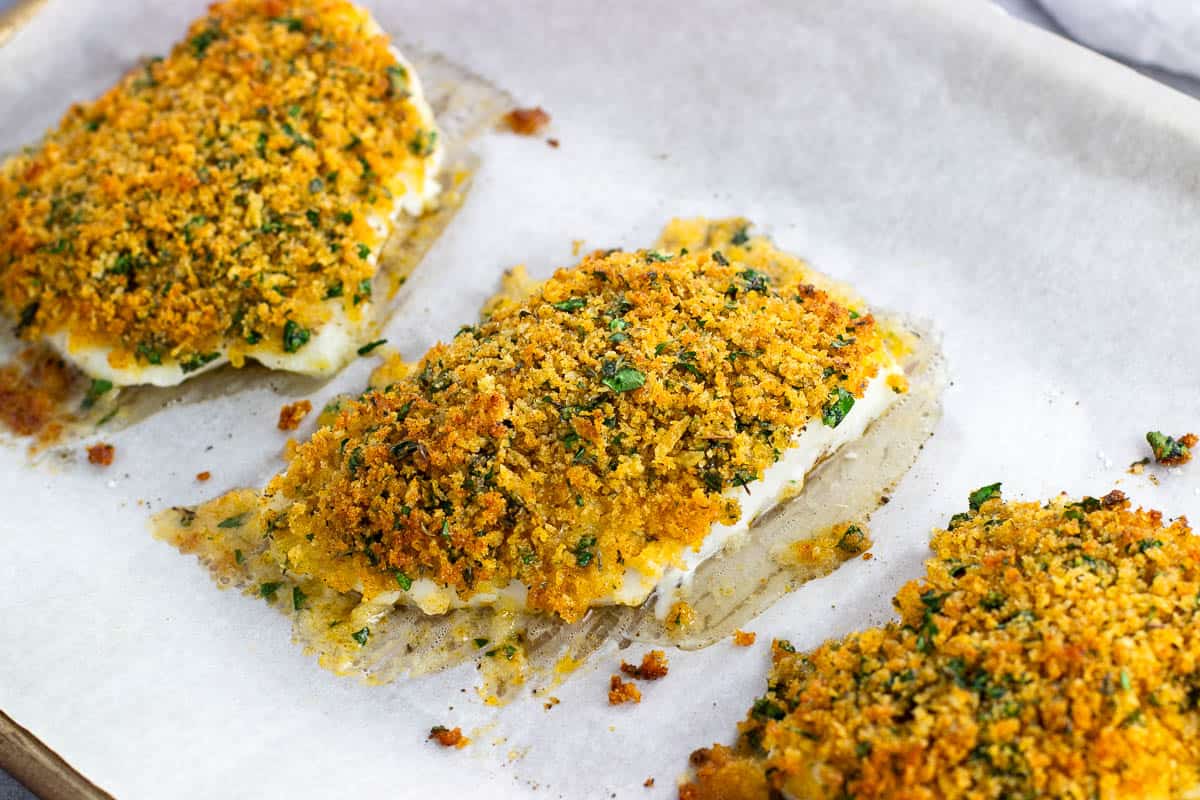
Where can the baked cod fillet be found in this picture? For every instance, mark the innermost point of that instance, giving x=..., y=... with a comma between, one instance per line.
x=229, y=201
x=586, y=443
x=1050, y=651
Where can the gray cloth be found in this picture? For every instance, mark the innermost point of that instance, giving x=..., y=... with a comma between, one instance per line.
x=9, y=788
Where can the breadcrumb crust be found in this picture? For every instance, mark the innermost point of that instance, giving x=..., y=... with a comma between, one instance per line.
x=1050, y=651
x=213, y=196
x=595, y=422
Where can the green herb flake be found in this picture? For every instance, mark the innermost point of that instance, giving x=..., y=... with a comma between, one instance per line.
x=981, y=495
x=570, y=305
x=238, y=558
x=294, y=336
x=621, y=378
x=361, y=635
x=837, y=407
x=298, y=598
x=98, y=389
x=403, y=581
x=236, y=521
x=197, y=360
x=853, y=540
x=584, y=550
x=363, y=251
x=1167, y=449
x=369, y=346
x=268, y=590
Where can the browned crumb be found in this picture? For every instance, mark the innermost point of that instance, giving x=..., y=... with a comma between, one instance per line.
x=648, y=783
x=620, y=692
x=552, y=142
x=527, y=121
x=744, y=638
x=867, y=556
x=1139, y=466
x=448, y=737
x=653, y=667
x=291, y=415
x=101, y=454
x=551, y=702
x=203, y=476
x=33, y=389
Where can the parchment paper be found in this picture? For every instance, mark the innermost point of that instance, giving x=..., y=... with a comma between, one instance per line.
x=1037, y=202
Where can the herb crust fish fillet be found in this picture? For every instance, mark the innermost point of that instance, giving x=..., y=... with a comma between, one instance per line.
x=579, y=440
x=1050, y=651
x=229, y=201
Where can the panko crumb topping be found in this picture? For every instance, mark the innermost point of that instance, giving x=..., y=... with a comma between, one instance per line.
x=292, y=414
x=1050, y=651
x=590, y=424
x=448, y=737
x=225, y=196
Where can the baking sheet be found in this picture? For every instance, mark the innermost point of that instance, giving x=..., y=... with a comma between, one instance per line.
x=1035, y=201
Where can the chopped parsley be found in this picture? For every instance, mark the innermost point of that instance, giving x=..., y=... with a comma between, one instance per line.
x=981, y=495
x=294, y=337
x=621, y=378
x=1167, y=449
x=236, y=521
x=570, y=305
x=268, y=590
x=403, y=581
x=98, y=389
x=369, y=346
x=584, y=550
x=298, y=598
x=837, y=407
x=361, y=635
x=853, y=540
x=198, y=360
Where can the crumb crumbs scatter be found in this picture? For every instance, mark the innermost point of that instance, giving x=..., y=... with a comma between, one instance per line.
x=553, y=143
x=744, y=638
x=291, y=415
x=1139, y=466
x=648, y=783
x=654, y=666
x=621, y=692
x=1170, y=451
x=527, y=121
x=101, y=454
x=203, y=476
x=1050, y=651
x=867, y=556
x=551, y=702
x=448, y=737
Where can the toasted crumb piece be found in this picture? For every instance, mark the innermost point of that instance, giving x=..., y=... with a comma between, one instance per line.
x=1170, y=451
x=551, y=702
x=744, y=638
x=649, y=783
x=653, y=667
x=448, y=737
x=620, y=692
x=527, y=121
x=1139, y=466
x=292, y=414
x=203, y=476
x=101, y=454
x=553, y=143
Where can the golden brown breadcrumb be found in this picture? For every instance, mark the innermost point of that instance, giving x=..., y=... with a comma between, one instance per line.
x=33, y=389
x=527, y=121
x=448, y=737
x=101, y=454
x=654, y=666
x=620, y=692
x=1050, y=651
x=217, y=195
x=597, y=421
x=292, y=414
x=744, y=638
x=203, y=476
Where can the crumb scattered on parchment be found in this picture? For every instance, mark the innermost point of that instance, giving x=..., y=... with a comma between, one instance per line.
x=292, y=414
x=448, y=737
x=744, y=638
x=553, y=143
x=551, y=702
x=649, y=782
x=620, y=692
x=1170, y=451
x=653, y=667
x=576, y=246
x=203, y=476
x=101, y=454
x=1139, y=466
x=867, y=556
x=527, y=121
